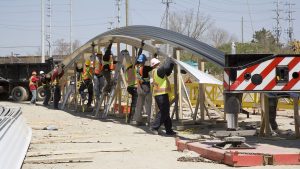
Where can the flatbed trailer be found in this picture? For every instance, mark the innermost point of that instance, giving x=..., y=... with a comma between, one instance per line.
x=14, y=79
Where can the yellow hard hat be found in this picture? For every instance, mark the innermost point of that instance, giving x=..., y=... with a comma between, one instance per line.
x=87, y=62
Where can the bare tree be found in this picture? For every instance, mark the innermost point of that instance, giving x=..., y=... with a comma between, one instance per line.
x=219, y=37
x=189, y=23
x=62, y=47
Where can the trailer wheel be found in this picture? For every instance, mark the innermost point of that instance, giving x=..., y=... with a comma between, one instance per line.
x=40, y=93
x=19, y=93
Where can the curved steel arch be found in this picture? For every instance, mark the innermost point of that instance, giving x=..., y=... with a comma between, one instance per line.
x=170, y=37
x=132, y=35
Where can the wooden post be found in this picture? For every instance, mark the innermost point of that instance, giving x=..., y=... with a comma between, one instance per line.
x=75, y=92
x=179, y=86
x=265, y=126
x=176, y=87
x=201, y=92
x=119, y=81
x=296, y=116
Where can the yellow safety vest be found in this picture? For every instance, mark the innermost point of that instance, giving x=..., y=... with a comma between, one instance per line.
x=160, y=85
x=87, y=73
x=130, y=76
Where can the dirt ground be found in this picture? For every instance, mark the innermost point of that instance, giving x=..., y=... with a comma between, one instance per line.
x=111, y=144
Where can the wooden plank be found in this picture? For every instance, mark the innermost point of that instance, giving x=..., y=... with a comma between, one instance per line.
x=187, y=95
x=233, y=133
x=180, y=114
x=47, y=153
x=54, y=160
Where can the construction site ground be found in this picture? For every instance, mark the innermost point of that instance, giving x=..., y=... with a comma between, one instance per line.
x=83, y=142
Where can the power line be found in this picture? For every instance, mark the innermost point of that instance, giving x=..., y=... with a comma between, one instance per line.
x=167, y=2
x=290, y=19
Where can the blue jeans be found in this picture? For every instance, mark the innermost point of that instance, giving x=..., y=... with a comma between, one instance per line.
x=33, y=98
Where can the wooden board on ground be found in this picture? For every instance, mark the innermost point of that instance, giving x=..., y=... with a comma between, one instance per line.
x=54, y=160
x=223, y=133
x=47, y=153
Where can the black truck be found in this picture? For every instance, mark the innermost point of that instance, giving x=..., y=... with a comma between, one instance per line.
x=14, y=79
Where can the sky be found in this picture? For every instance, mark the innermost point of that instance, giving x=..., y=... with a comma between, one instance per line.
x=20, y=20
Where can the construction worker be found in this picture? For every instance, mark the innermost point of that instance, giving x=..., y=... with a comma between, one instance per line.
x=161, y=89
x=87, y=82
x=46, y=82
x=130, y=76
x=33, y=84
x=108, y=67
x=99, y=80
x=143, y=90
x=58, y=72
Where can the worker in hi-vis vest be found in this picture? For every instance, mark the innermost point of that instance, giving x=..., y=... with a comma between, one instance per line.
x=108, y=67
x=130, y=77
x=33, y=84
x=86, y=82
x=58, y=72
x=143, y=90
x=99, y=80
x=161, y=90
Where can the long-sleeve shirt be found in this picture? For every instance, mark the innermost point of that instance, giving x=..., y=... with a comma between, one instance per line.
x=166, y=68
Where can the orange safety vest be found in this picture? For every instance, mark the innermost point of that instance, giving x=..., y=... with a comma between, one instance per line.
x=110, y=63
x=87, y=73
x=130, y=76
x=139, y=75
x=98, y=67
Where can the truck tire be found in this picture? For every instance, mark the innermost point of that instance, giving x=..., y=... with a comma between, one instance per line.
x=19, y=93
x=40, y=93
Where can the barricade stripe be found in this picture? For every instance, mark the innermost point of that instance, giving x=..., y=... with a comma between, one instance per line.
x=266, y=71
x=293, y=81
x=258, y=70
x=240, y=78
x=292, y=67
x=269, y=81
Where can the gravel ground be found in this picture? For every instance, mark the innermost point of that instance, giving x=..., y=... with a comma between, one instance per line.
x=126, y=146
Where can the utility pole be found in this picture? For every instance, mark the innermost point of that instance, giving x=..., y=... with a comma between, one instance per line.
x=242, y=29
x=290, y=31
x=127, y=15
x=167, y=2
x=277, y=29
x=71, y=46
x=49, y=26
x=119, y=12
x=43, y=31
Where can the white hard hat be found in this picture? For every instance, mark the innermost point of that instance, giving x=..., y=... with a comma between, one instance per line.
x=154, y=62
x=42, y=72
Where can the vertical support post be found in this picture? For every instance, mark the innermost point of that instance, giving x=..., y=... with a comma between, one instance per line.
x=265, y=126
x=75, y=92
x=176, y=87
x=201, y=92
x=119, y=80
x=296, y=116
x=179, y=86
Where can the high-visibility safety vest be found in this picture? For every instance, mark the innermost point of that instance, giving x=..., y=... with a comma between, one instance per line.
x=130, y=76
x=31, y=82
x=110, y=63
x=139, y=75
x=98, y=67
x=87, y=73
x=160, y=85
